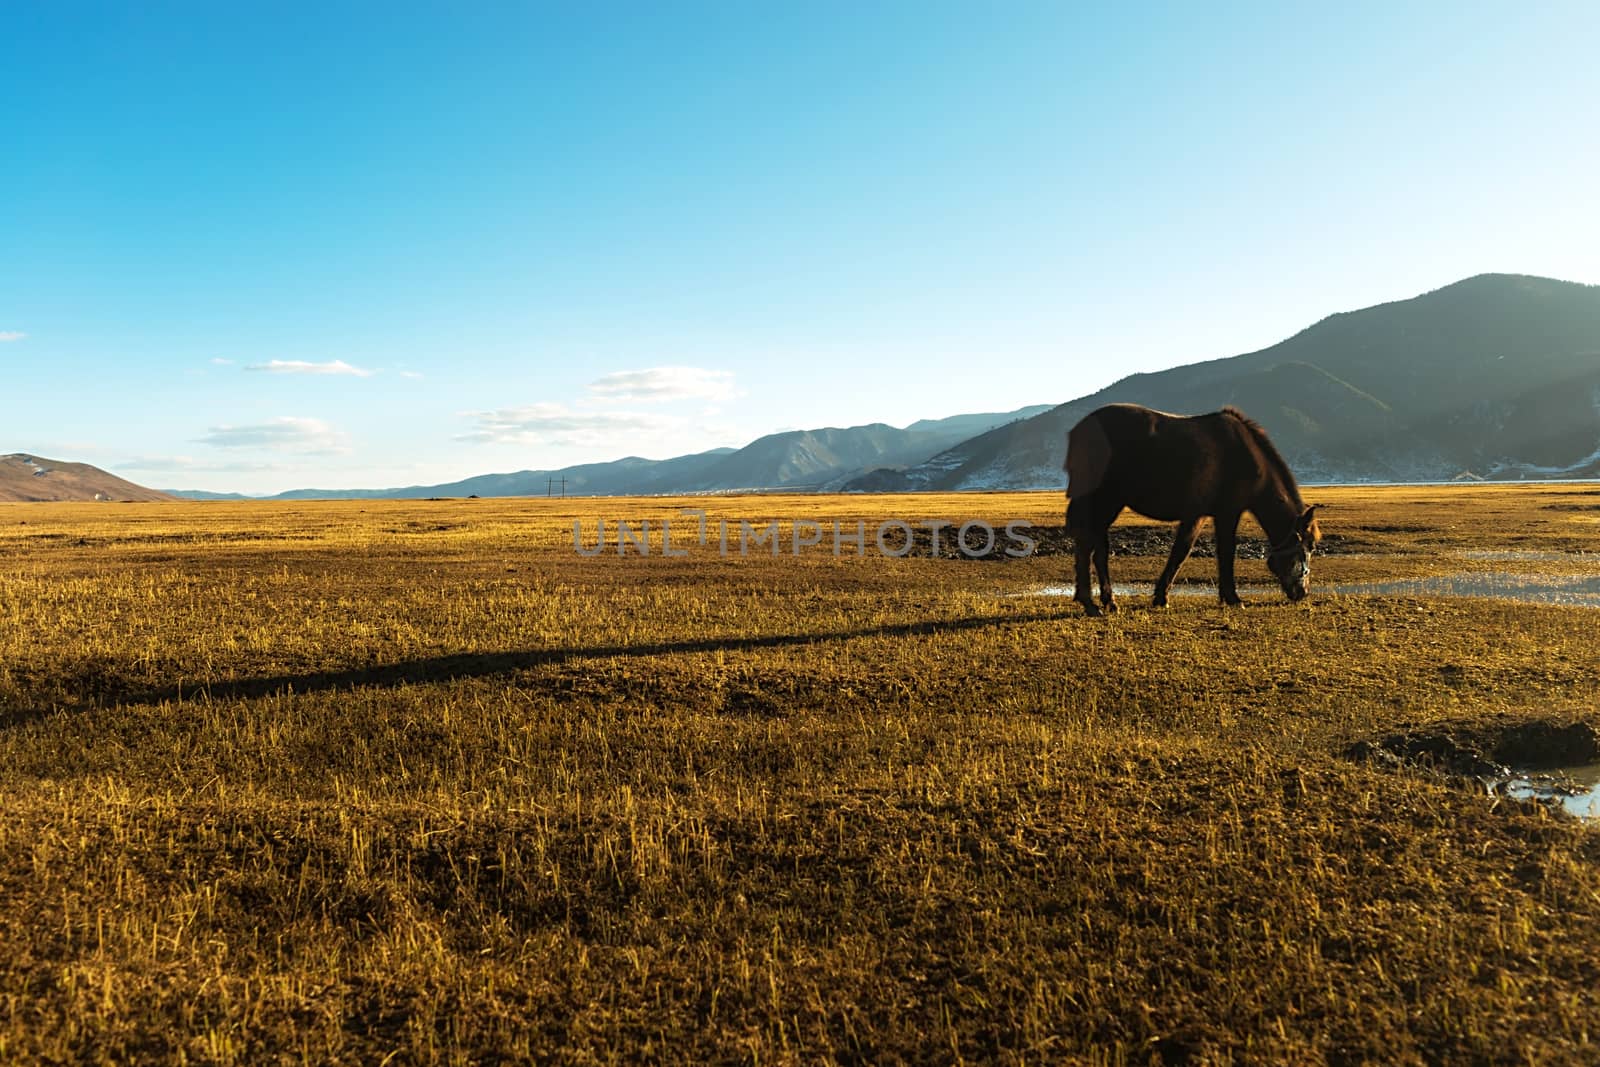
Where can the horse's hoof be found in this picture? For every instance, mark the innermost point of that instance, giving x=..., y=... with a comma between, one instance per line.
x=1109, y=607
x=1232, y=602
x=1158, y=602
x=1091, y=610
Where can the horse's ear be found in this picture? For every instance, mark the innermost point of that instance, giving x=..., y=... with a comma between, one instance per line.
x=1309, y=518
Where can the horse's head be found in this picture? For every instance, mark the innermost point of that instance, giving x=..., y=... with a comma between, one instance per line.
x=1290, y=558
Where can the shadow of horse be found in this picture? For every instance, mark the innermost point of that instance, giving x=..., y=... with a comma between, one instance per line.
x=455, y=667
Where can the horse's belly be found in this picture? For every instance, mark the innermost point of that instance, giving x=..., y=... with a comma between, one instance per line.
x=1169, y=508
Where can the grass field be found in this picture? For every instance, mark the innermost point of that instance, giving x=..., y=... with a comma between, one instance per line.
x=416, y=782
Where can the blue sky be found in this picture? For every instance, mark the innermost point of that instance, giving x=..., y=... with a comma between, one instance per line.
x=257, y=247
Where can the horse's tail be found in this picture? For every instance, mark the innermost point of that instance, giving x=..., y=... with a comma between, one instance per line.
x=1088, y=456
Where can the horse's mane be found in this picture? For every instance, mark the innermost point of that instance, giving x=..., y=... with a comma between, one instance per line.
x=1269, y=452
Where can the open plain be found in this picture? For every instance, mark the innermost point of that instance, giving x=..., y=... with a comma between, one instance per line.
x=416, y=782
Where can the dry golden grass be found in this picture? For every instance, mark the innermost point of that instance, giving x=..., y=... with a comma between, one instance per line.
x=416, y=783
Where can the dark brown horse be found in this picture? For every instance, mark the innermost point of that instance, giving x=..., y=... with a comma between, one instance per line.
x=1183, y=469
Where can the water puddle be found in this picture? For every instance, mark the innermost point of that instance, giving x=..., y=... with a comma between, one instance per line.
x=1554, y=763
x=1145, y=590
x=1574, y=789
x=1576, y=590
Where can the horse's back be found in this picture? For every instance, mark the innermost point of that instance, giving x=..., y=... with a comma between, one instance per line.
x=1164, y=463
x=1104, y=436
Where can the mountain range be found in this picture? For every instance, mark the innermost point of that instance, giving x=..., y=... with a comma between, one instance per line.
x=796, y=460
x=1493, y=377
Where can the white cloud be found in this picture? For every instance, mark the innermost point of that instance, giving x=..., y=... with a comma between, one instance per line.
x=664, y=383
x=11, y=335
x=219, y=361
x=300, y=366
x=285, y=434
x=556, y=424
x=411, y=374
x=597, y=421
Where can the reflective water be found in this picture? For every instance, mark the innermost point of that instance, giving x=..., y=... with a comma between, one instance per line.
x=1581, y=590
x=1144, y=590
x=1576, y=789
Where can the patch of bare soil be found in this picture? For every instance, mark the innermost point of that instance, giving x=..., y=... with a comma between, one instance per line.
x=1486, y=752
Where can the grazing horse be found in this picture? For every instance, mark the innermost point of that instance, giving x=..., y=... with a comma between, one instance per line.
x=1183, y=469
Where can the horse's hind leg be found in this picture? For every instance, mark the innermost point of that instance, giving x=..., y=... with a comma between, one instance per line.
x=1182, y=545
x=1102, y=554
x=1085, y=539
x=1082, y=591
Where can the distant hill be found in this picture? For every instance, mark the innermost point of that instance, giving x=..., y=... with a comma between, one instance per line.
x=1497, y=377
x=969, y=425
x=206, y=494
x=797, y=460
x=32, y=478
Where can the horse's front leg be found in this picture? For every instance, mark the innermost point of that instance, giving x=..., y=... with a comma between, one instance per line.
x=1227, y=527
x=1182, y=545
